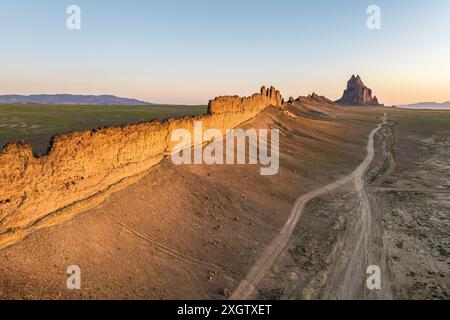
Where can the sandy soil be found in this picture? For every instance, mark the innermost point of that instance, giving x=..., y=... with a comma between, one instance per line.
x=194, y=232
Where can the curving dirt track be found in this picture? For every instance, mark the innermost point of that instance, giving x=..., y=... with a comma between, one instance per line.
x=247, y=287
x=364, y=251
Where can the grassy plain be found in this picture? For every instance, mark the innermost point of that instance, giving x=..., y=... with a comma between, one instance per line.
x=38, y=123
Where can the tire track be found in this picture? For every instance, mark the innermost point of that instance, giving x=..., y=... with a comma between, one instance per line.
x=272, y=252
x=134, y=232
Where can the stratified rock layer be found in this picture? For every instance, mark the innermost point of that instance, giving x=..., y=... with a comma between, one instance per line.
x=83, y=165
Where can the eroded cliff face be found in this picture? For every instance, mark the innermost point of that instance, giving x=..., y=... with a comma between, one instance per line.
x=357, y=94
x=39, y=191
x=253, y=104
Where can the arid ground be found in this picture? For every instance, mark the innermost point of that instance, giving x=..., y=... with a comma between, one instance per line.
x=195, y=232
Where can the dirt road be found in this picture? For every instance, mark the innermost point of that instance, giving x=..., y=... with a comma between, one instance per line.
x=264, y=263
x=364, y=251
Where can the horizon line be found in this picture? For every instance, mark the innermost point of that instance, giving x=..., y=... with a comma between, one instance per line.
x=185, y=104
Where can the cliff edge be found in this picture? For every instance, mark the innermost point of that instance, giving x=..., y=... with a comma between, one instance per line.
x=82, y=168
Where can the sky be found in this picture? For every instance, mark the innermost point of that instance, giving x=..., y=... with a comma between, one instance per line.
x=189, y=51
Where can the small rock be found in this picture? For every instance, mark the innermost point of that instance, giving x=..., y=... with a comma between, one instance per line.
x=399, y=244
x=225, y=292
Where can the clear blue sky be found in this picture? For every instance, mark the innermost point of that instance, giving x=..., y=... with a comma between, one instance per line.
x=188, y=51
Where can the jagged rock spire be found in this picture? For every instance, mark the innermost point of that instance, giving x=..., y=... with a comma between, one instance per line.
x=357, y=93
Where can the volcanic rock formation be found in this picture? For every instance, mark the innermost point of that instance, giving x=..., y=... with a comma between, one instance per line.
x=83, y=168
x=357, y=94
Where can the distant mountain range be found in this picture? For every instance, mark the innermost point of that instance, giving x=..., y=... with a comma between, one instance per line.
x=70, y=99
x=427, y=105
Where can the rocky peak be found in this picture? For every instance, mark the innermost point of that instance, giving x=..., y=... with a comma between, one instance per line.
x=355, y=82
x=318, y=98
x=357, y=93
x=314, y=96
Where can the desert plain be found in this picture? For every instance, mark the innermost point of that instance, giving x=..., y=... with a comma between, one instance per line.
x=199, y=231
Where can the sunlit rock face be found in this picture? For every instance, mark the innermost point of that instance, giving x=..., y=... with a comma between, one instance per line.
x=82, y=165
x=357, y=94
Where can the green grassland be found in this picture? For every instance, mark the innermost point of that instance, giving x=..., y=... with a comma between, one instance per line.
x=36, y=124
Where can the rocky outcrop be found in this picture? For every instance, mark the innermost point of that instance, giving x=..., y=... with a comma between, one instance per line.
x=314, y=100
x=255, y=103
x=357, y=94
x=320, y=99
x=39, y=191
